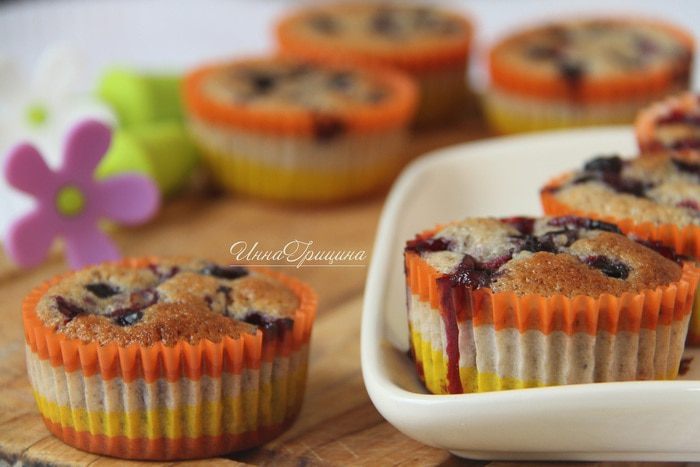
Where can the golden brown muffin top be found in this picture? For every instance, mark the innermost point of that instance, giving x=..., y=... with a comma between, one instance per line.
x=593, y=48
x=380, y=28
x=167, y=301
x=277, y=84
x=547, y=256
x=653, y=188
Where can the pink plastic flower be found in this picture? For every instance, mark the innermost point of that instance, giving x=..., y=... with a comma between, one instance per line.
x=70, y=201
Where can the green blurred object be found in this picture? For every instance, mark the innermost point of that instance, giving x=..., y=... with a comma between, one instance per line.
x=139, y=98
x=151, y=138
x=160, y=150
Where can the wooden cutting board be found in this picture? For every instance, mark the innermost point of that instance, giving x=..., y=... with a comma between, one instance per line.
x=338, y=424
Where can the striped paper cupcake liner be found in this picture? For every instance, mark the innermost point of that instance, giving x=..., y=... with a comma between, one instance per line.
x=292, y=168
x=169, y=402
x=683, y=240
x=466, y=340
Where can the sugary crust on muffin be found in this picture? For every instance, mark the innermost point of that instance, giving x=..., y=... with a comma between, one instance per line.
x=675, y=192
x=546, y=274
x=279, y=84
x=444, y=262
x=653, y=168
x=666, y=194
x=482, y=238
x=381, y=28
x=169, y=323
x=167, y=301
x=74, y=290
x=258, y=292
x=592, y=48
x=598, y=198
x=546, y=256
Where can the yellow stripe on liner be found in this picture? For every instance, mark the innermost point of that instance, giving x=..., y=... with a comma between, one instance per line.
x=271, y=404
x=434, y=366
x=239, y=173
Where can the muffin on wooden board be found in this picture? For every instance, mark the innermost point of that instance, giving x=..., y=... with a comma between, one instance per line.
x=168, y=359
x=287, y=129
x=429, y=43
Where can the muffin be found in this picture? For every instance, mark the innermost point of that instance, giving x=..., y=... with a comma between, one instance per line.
x=429, y=43
x=582, y=72
x=168, y=359
x=499, y=304
x=671, y=125
x=283, y=128
x=655, y=198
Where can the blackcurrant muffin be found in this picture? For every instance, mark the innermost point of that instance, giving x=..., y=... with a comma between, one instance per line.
x=287, y=129
x=655, y=197
x=523, y=302
x=671, y=125
x=585, y=71
x=168, y=358
x=656, y=189
x=430, y=43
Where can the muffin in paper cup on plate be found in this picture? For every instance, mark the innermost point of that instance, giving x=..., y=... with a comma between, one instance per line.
x=498, y=304
x=655, y=197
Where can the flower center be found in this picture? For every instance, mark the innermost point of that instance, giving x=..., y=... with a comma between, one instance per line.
x=37, y=114
x=70, y=201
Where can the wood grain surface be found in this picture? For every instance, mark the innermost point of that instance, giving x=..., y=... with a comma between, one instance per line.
x=338, y=424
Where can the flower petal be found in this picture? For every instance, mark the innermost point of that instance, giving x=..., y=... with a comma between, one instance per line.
x=89, y=245
x=27, y=171
x=128, y=198
x=28, y=240
x=86, y=145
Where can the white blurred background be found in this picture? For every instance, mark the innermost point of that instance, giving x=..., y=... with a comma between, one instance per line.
x=172, y=35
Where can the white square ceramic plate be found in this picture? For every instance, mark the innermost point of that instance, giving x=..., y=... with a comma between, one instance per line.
x=606, y=421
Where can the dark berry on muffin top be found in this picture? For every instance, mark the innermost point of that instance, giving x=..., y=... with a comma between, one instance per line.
x=654, y=188
x=167, y=301
x=556, y=255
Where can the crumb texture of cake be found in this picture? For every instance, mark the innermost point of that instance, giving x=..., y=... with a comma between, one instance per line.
x=377, y=30
x=601, y=263
x=579, y=50
x=549, y=256
x=656, y=188
x=292, y=96
x=166, y=301
x=292, y=84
